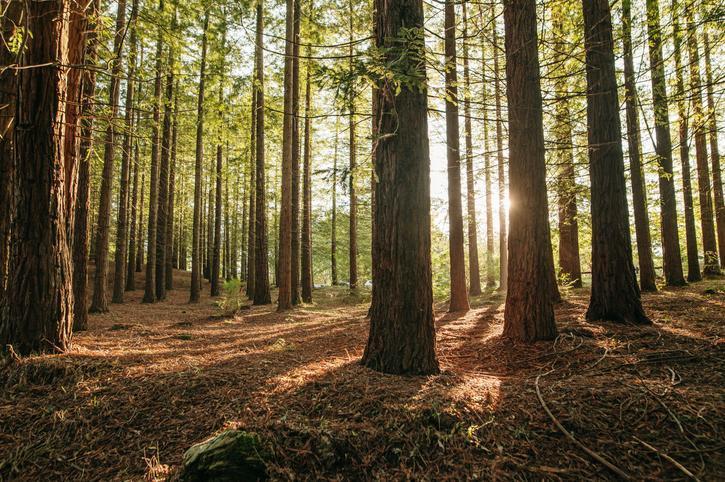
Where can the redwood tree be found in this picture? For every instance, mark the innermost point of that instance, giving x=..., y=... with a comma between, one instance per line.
x=306, y=262
x=615, y=294
x=402, y=336
x=529, y=312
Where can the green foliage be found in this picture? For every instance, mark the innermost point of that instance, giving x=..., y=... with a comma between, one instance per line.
x=232, y=299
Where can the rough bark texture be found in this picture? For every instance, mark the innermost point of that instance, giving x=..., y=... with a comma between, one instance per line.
x=149, y=295
x=502, y=193
x=615, y=294
x=262, y=295
x=252, y=190
x=36, y=313
x=171, y=245
x=715, y=153
x=707, y=225
x=529, y=311
x=131, y=265
x=459, y=296
x=402, y=336
x=663, y=146
x=639, y=197
x=119, y=273
x=333, y=214
x=306, y=262
x=284, y=302
x=352, y=251
x=295, y=226
x=216, y=257
x=196, y=260
x=693, y=263
x=487, y=167
x=99, y=303
x=162, y=213
x=474, y=273
x=139, y=253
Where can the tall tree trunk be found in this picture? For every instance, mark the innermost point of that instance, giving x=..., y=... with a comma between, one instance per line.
x=569, y=261
x=490, y=275
x=352, y=252
x=243, y=245
x=295, y=228
x=459, y=296
x=36, y=313
x=139, y=252
x=99, y=303
x=663, y=147
x=715, y=153
x=262, y=295
x=252, y=185
x=196, y=259
x=693, y=263
x=164, y=171
x=615, y=294
x=131, y=265
x=119, y=274
x=306, y=262
x=149, y=295
x=639, y=198
x=709, y=242
x=216, y=255
x=474, y=273
x=284, y=301
x=80, y=230
x=529, y=312
x=209, y=234
x=333, y=215
x=402, y=335
x=502, y=193
x=171, y=245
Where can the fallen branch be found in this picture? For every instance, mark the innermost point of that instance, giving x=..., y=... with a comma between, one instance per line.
x=674, y=462
x=571, y=437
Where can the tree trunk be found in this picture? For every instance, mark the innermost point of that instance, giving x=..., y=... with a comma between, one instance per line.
x=402, y=334
x=693, y=263
x=261, y=270
x=131, y=265
x=709, y=242
x=639, y=198
x=569, y=261
x=529, y=312
x=119, y=278
x=459, y=296
x=284, y=301
x=474, y=273
x=252, y=185
x=99, y=303
x=171, y=245
x=164, y=171
x=502, y=194
x=615, y=294
x=352, y=264
x=139, y=253
x=333, y=215
x=149, y=292
x=36, y=313
x=196, y=260
x=715, y=153
x=663, y=147
x=295, y=228
x=306, y=262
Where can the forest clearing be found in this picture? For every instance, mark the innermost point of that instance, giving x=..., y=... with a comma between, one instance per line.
x=140, y=387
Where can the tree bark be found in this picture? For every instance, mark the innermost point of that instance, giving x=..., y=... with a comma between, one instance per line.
x=164, y=171
x=139, y=252
x=131, y=265
x=502, y=193
x=36, y=313
x=252, y=186
x=459, y=296
x=402, y=334
x=615, y=294
x=488, y=169
x=715, y=153
x=639, y=198
x=306, y=262
x=474, y=272
x=295, y=227
x=663, y=147
x=352, y=251
x=333, y=215
x=99, y=303
x=709, y=242
x=196, y=260
x=529, y=312
x=171, y=245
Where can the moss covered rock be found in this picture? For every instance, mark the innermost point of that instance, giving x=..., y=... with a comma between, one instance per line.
x=233, y=455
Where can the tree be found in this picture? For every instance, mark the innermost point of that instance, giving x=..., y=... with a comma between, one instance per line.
x=352, y=251
x=261, y=271
x=333, y=214
x=171, y=245
x=502, y=197
x=99, y=303
x=663, y=146
x=529, y=311
x=639, y=197
x=306, y=262
x=615, y=294
x=36, y=313
x=693, y=263
x=295, y=226
x=252, y=184
x=459, y=297
x=131, y=265
x=402, y=337
x=487, y=167
x=474, y=273
x=709, y=243
x=196, y=260
x=284, y=301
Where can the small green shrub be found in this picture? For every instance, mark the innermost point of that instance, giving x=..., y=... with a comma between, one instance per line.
x=232, y=299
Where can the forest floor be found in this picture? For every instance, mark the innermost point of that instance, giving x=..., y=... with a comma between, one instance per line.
x=148, y=381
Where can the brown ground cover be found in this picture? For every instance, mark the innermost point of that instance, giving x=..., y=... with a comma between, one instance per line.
x=147, y=381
